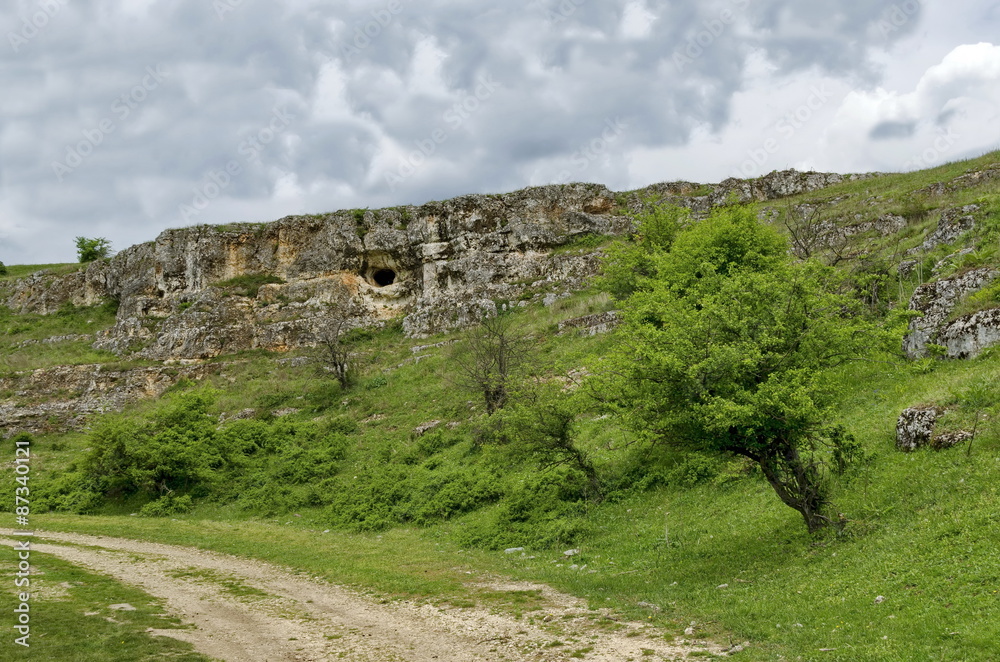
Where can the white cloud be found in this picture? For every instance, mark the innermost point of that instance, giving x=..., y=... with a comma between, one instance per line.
x=562, y=68
x=954, y=108
x=637, y=20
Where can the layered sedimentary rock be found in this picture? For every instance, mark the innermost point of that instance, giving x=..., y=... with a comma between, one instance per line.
x=440, y=266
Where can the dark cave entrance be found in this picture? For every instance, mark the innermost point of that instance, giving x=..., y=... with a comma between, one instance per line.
x=384, y=277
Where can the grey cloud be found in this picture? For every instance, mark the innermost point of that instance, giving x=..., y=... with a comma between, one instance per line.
x=890, y=130
x=563, y=75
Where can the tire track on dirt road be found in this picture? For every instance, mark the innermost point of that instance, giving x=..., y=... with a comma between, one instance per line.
x=246, y=610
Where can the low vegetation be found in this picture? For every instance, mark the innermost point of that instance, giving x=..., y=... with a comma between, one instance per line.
x=725, y=457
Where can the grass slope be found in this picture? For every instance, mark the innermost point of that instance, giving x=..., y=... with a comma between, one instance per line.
x=342, y=484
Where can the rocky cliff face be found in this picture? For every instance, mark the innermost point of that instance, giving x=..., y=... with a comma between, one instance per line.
x=440, y=266
x=936, y=301
x=60, y=398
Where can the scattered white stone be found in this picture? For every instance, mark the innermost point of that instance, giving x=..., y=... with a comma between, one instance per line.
x=571, y=552
x=511, y=550
x=124, y=606
x=722, y=586
x=880, y=599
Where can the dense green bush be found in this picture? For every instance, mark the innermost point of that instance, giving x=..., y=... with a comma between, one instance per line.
x=541, y=511
x=90, y=249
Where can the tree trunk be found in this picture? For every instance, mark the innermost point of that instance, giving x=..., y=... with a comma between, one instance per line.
x=797, y=483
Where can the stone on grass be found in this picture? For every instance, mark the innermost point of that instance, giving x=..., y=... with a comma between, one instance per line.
x=915, y=427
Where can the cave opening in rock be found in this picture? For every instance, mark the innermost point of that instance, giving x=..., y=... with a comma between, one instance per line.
x=383, y=277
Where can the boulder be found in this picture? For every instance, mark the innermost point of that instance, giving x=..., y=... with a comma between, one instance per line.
x=953, y=224
x=936, y=301
x=948, y=439
x=969, y=335
x=915, y=427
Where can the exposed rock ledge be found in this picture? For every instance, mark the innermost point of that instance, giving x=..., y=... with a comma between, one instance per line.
x=441, y=265
x=55, y=399
x=964, y=337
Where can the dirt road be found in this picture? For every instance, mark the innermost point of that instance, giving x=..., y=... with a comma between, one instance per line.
x=245, y=610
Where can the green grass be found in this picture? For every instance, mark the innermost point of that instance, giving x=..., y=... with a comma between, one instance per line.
x=921, y=534
x=15, y=271
x=69, y=619
x=249, y=284
x=921, y=528
x=22, y=337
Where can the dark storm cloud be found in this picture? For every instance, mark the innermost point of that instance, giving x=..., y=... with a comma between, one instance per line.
x=559, y=71
x=889, y=130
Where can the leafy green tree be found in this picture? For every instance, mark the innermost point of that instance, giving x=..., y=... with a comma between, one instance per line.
x=723, y=350
x=630, y=263
x=3, y=269
x=88, y=250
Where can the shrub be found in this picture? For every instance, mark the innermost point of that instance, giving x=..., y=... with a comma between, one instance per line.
x=249, y=285
x=167, y=506
x=88, y=250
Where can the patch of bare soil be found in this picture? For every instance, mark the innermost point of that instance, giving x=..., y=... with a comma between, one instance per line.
x=245, y=610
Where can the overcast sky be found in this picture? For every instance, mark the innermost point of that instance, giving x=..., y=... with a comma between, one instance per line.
x=121, y=118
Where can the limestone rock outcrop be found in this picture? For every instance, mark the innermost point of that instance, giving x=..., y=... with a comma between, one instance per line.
x=936, y=301
x=61, y=398
x=439, y=266
x=953, y=224
x=969, y=335
x=915, y=427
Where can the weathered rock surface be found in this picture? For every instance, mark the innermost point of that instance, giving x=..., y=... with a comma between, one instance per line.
x=772, y=186
x=592, y=325
x=54, y=399
x=936, y=301
x=915, y=427
x=969, y=335
x=440, y=266
x=946, y=440
x=968, y=180
x=953, y=224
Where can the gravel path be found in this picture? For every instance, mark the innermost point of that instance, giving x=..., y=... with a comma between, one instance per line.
x=245, y=610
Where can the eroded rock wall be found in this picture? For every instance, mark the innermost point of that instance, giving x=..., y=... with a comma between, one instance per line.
x=441, y=265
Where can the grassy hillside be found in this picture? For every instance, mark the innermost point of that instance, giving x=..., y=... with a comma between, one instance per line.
x=403, y=471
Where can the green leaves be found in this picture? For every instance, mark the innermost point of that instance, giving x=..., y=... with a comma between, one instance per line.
x=88, y=250
x=724, y=349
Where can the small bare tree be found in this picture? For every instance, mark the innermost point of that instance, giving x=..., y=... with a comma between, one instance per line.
x=335, y=353
x=488, y=359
